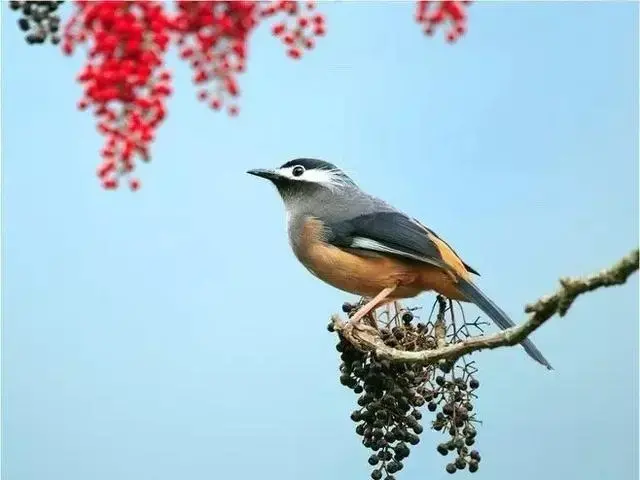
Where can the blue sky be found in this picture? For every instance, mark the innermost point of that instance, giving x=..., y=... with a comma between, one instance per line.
x=172, y=334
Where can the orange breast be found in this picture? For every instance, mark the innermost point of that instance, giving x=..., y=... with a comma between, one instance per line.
x=367, y=275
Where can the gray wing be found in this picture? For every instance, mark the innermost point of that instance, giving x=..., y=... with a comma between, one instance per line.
x=390, y=233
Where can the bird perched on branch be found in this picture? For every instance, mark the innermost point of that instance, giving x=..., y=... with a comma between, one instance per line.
x=362, y=245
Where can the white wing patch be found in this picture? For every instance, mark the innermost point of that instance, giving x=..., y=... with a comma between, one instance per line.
x=369, y=244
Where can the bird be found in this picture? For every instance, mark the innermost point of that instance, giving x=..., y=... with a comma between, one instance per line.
x=360, y=244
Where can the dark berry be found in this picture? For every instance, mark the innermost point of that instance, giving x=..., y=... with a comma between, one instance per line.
x=402, y=449
x=473, y=466
x=34, y=38
x=432, y=406
x=444, y=366
x=407, y=317
x=373, y=460
x=473, y=384
x=442, y=449
x=474, y=455
x=451, y=468
x=461, y=463
x=23, y=23
x=469, y=431
x=376, y=474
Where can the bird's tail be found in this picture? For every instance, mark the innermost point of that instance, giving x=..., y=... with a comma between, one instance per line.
x=475, y=295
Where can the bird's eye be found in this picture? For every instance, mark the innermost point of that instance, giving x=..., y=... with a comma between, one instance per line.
x=297, y=170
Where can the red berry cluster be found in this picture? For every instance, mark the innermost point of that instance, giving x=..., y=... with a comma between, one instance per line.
x=430, y=14
x=297, y=35
x=124, y=80
x=213, y=38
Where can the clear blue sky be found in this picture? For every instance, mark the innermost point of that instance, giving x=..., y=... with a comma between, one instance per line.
x=171, y=333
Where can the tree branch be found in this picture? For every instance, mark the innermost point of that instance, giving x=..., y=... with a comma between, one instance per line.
x=366, y=338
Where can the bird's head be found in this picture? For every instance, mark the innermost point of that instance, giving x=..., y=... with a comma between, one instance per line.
x=303, y=177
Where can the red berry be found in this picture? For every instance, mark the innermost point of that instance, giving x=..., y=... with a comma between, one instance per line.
x=110, y=184
x=294, y=53
x=134, y=184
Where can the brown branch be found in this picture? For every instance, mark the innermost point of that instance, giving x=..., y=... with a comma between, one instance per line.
x=367, y=338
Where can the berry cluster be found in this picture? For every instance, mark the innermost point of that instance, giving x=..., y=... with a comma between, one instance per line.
x=452, y=393
x=430, y=14
x=388, y=419
x=298, y=35
x=39, y=21
x=391, y=394
x=124, y=81
x=213, y=38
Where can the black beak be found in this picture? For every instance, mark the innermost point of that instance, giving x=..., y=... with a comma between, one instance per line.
x=264, y=173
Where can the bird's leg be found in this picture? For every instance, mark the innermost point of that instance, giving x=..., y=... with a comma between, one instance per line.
x=372, y=304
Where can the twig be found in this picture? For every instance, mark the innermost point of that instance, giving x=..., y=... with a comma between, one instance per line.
x=440, y=327
x=367, y=338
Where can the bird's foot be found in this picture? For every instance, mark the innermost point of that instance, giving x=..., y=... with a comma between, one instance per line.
x=367, y=309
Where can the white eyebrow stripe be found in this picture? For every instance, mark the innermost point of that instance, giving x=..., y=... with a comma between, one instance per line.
x=330, y=178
